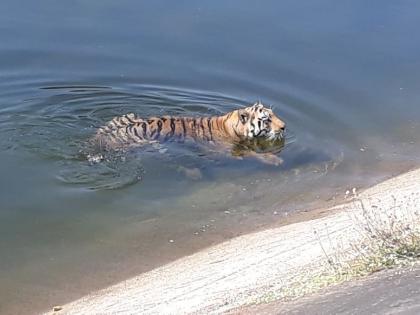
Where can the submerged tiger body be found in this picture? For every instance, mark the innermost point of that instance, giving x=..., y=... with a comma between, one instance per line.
x=250, y=123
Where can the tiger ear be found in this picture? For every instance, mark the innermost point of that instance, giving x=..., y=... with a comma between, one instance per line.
x=243, y=116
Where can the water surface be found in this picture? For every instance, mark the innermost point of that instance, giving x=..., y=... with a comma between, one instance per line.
x=344, y=76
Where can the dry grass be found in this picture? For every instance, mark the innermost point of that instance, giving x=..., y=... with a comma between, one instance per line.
x=390, y=238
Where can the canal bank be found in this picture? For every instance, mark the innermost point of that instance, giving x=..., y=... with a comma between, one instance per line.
x=247, y=268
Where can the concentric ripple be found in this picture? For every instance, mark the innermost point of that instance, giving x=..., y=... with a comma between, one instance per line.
x=57, y=123
x=57, y=126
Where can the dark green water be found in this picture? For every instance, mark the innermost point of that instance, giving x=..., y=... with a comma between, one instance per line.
x=345, y=77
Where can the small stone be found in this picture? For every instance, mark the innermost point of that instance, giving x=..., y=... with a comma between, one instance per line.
x=362, y=149
x=226, y=212
x=57, y=308
x=354, y=190
x=171, y=241
x=275, y=212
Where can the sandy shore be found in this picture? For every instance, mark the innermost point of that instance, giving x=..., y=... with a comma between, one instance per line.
x=226, y=276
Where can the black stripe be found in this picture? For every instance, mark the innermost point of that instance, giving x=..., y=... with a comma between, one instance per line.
x=183, y=127
x=172, y=125
x=170, y=133
x=131, y=121
x=202, y=127
x=126, y=129
x=137, y=134
x=237, y=134
x=152, y=133
x=129, y=131
x=117, y=122
x=253, y=126
x=160, y=124
x=194, y=127
x=209, y=125
x=144, y=127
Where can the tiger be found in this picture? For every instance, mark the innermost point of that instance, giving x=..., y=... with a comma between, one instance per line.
x=238, y=131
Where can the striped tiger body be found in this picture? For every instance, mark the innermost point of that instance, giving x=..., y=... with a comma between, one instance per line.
x=253, y=122
x=130, y=129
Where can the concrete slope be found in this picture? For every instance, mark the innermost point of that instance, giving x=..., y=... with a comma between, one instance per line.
x=226, y=276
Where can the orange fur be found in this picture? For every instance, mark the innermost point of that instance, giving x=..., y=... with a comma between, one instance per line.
x=253, y=122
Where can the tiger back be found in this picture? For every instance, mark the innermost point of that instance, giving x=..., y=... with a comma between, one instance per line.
x=239, y=126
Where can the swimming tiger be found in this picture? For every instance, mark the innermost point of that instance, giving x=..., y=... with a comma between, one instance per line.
x=241, y=128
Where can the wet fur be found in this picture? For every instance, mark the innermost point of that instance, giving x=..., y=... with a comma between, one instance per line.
x=250, y=123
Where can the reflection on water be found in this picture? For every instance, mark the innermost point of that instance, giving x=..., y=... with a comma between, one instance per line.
x=260, y=146
x=344, y=78
x=59, y=127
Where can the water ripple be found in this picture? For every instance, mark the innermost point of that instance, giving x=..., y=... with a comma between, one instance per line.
x=57, y=126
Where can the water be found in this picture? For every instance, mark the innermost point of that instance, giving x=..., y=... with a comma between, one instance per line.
x=343, y=76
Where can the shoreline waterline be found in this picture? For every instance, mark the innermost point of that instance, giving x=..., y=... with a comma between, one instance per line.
x=230, y=274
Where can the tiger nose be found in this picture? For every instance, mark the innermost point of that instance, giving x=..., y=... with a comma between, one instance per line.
x=281, y=130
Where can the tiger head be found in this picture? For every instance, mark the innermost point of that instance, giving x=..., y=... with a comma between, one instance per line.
x=258, y=122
